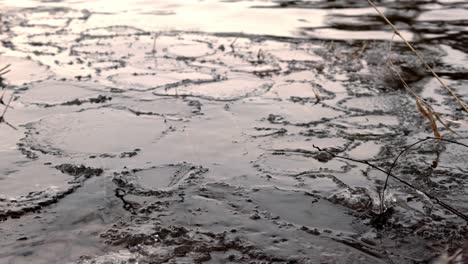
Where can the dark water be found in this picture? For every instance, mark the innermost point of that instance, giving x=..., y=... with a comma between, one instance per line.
x=203, y=116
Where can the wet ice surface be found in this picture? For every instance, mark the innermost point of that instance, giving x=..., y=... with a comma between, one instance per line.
x=169, y=132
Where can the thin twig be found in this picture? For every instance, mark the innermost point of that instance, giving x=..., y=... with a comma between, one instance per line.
x=234, y=41
x=3, y=102
x=6, y=108
x=2, y=117
x=430, y=196
x=4, y=72
x=407, y=148
x=393, y=166
x=154, y=51
x=5, y=69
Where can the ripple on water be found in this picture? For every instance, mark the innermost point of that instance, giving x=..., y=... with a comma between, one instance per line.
x=365, y=150
x=29, y=177
x=284, y=112
x=162, y=178
x=305, y=90
x=237, y=86
x=295, y=163
x=448, y=14
x=190, y=50
x=36, y=45
x=57, y=92
x=369, y=104
x=24, y=70
x=369, y=120
x=148, y=81
x=292, y=143
x=112, y=31
x=94, y=131
x=456, y=157
x=294, y=55
x=297, y=208
x=167, y=106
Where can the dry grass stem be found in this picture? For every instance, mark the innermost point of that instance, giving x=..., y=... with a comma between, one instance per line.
x=5, y=70
x=424, y=107
x=397, y=32
x=317, y=94
x=2, y=117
